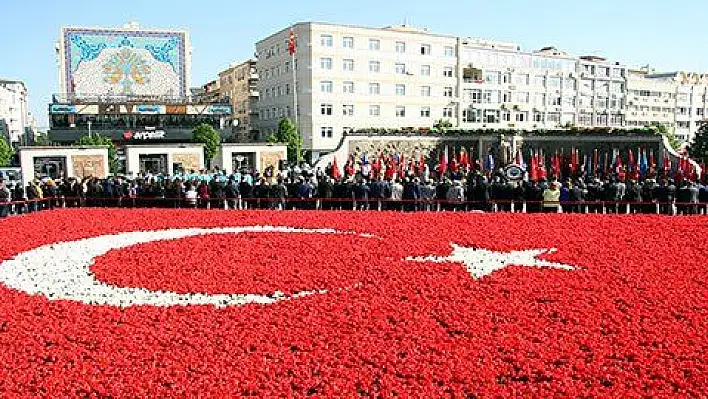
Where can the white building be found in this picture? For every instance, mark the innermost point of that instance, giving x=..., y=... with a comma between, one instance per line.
x=353, y=77
x=677, y=100
x=14, y=108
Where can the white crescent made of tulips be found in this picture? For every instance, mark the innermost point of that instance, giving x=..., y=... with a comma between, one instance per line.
x=61, y=271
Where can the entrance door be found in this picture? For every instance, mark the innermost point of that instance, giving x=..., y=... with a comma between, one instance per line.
x=153, y=163
x=53, y=167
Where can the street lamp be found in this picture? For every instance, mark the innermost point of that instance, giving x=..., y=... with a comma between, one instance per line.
x=89, y=128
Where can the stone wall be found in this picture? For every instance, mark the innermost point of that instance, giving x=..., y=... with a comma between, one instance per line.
x=88, y=165
x=189, y=161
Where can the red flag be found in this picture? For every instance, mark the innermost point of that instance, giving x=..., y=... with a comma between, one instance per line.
x=533, y=171
x=630, y=161
x=542, y=174
x=336, y=174
x=667, y=162
x=574, y=160
x=292, y=43
x=421, y=163
x=453, y=165
x=618, y=162
x=464, y=158
x=443, y=162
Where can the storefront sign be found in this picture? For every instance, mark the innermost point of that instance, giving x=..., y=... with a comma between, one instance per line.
x=62, y=109
x=144, y=135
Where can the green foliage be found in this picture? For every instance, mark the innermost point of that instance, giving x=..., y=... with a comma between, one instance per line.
x=663, y=130
x=698, y=149
x=98, y=140
x=442, y=125
x=288, y=134
x=456, y=132
x=5, y=152
x=207, y=135
x=42, y=139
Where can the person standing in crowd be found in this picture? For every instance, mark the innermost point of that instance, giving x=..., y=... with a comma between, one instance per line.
x=361, y=195
x=231, y=193
x=411, y=194
x=396, y=195
x=5, y=197
x=455, y=196
x=18, y=196
x=551, y=198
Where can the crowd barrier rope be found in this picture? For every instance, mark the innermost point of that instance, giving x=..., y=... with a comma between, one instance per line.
x=370, y=204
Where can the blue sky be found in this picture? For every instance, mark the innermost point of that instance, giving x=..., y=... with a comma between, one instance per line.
x=668, y=36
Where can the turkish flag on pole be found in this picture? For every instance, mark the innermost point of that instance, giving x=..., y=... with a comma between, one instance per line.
x=533, y=172
x=336, y=174
x=443, y=162
x=292, y=43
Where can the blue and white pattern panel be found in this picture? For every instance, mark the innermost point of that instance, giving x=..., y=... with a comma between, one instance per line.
x=124, y=62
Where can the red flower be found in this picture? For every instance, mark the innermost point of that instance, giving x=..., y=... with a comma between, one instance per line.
x=391, y=312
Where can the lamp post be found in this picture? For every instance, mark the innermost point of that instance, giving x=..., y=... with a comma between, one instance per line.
x=89, y=128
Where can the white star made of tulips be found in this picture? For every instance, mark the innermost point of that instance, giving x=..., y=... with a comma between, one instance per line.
x=483, y=262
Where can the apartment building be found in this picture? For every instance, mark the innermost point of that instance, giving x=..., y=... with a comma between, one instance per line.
x=14, y=109
x=239, y=85
x=351, y=77
x=676, y=99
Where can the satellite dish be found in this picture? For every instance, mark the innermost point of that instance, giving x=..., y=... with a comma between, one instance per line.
x=235, y=122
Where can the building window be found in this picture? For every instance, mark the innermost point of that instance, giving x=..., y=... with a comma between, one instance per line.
x=506, y=116
x=425, y=112
x=699, y=111
x=348, y=42
x=326, y=40
x=506, y=78
x=401, y=112
x=491, y=116
x=617, y=73
x=447, y=72
x=287, y=89
x=569, y=101
x=473, y=95
x=348, y=110
x=447, y=112
x=374, y=44
x=326, y=63
x=521, y=97
x=374, y=110
x=326, y=86
x=616, y=120
x=447, y=92
x=374, y=66
x=603, y=71
x=521, y=79
x=556, y=101
x=374, y=88
x=348, y=87
x=538, y=117
x=506, y=97
x=449, y=51
x=492, y=77
x=491, y=96
x=539, y=99
x=400, y=68
x=472, y=115
x=400, y=47
x=326, y=132
x=554, y=82
x=400, y=90
x=539, y=80
x=425, y=70
x=425, y=49
x=326, y=109
x=348, y=65
x=553, y=117
x=601, y=103
x=522, y=116
x=425, y=91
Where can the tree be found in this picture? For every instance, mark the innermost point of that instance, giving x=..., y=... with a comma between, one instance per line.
x=661, y=129
x=207, y=135
x=42, y=139
x=288, y=134
x=698, y=149
x=102, y=141
x=5, y=152
x=441, y=125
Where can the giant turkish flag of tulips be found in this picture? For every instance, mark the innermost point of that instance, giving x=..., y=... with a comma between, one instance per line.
x=214, y=303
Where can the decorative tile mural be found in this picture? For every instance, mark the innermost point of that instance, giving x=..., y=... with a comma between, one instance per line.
x=124, y=62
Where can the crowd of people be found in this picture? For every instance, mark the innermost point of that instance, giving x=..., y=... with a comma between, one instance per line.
x=301, y=187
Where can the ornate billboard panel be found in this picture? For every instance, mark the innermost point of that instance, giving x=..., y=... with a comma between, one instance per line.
x=125, y=62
